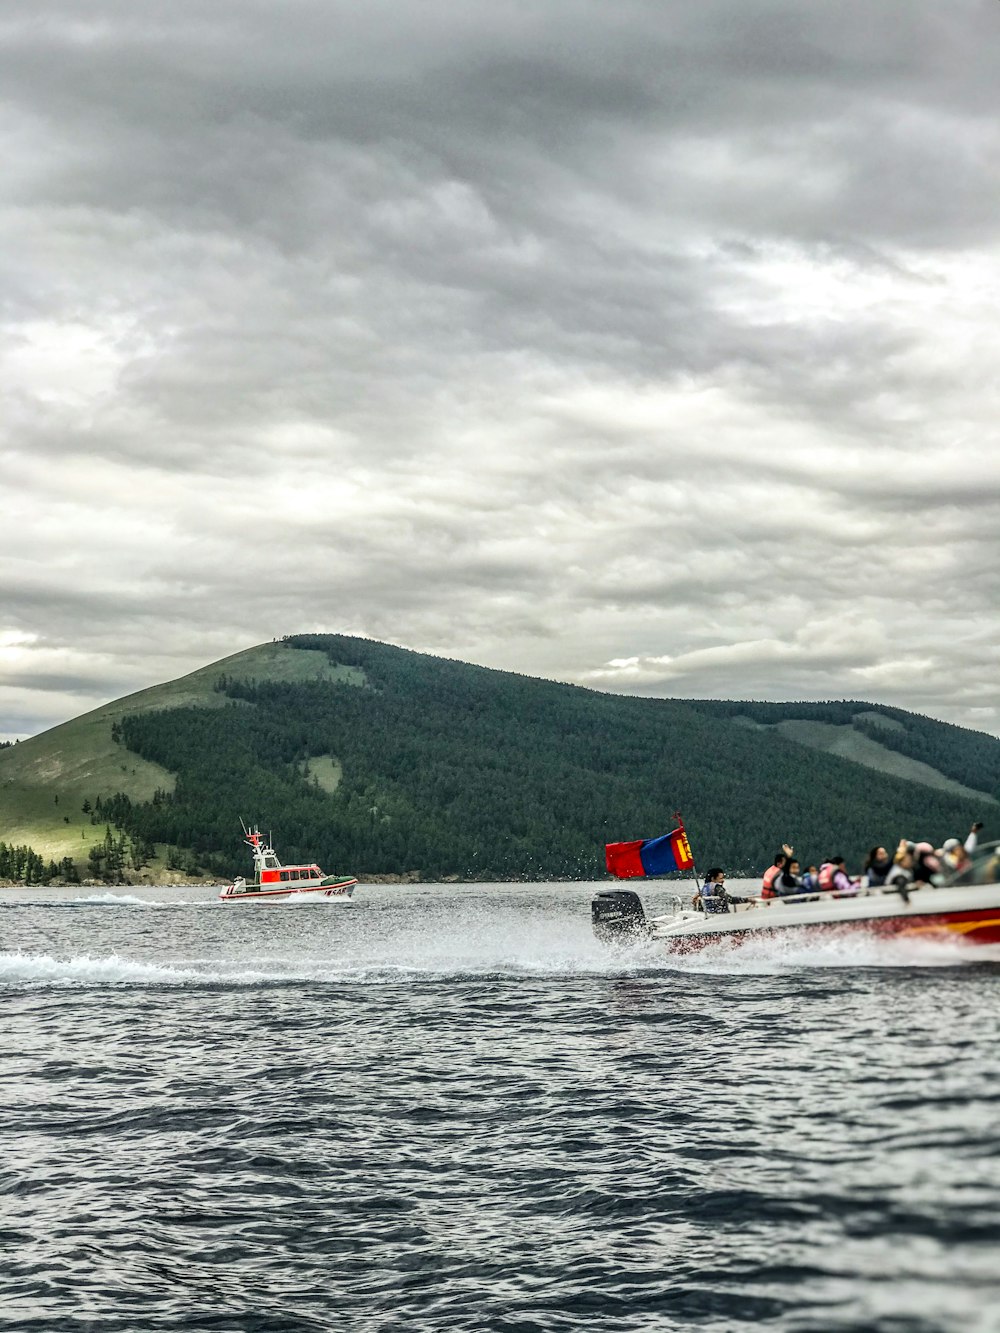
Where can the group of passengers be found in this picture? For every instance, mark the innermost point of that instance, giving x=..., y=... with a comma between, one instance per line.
x=913, y=863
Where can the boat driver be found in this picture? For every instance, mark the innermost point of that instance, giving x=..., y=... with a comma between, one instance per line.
x=714, y=897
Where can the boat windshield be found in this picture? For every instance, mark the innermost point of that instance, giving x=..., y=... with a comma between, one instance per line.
x=984, y=867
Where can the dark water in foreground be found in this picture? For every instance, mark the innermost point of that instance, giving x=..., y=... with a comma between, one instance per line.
x=450, y=1109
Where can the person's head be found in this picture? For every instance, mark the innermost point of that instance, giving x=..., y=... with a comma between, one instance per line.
x=793, y=867
x=837, y=861
x=951, y=845
x=812, y=870
x=925, y=862
x=780, y=858
x=715, y=876
x=877, y=854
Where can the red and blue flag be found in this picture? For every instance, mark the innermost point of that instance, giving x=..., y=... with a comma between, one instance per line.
x=649, y=856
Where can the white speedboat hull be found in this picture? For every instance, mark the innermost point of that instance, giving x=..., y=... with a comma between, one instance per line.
x=971, y=913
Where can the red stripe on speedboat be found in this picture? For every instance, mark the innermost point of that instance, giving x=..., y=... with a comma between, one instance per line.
x=980, y=926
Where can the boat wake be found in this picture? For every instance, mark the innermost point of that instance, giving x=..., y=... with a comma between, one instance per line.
x=115, y=900
x=34, y=969
x=413, y=961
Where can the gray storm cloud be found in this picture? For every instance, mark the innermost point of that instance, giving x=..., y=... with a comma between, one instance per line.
x=647, y=346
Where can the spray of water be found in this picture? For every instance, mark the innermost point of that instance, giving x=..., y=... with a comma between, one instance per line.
x=416, y=958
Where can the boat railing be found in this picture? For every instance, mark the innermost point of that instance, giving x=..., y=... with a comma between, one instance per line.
x=900, y=888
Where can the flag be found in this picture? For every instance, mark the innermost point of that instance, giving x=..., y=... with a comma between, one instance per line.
x=649, y=856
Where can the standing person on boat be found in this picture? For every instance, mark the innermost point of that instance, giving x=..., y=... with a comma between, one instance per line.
x=876, y=868
x=773, y=871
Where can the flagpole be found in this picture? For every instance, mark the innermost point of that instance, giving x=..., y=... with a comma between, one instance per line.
x=694, y=868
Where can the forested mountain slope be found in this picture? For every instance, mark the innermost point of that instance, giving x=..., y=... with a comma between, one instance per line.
x=891, y=740
x=391, y=761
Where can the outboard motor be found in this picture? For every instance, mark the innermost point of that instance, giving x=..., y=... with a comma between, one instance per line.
x=616, y=914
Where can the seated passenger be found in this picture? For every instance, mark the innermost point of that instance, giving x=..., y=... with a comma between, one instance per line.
x=833, y=876
x=712, y=896
x=773, y=871
x=713, y=892
x=956, y=856
x=810, y=880
x=789, y=881
x=901, y=873
x=876, y=868
x=926, y=866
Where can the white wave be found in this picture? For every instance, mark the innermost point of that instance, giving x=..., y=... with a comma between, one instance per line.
x=32, y=969
x=118, y=900
x=394, y=965
x=312, y=900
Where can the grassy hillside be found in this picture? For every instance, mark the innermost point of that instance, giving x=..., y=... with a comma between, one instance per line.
x=45, y=780
x=889, y=740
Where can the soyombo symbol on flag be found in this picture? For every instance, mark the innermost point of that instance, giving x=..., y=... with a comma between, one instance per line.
x=649, y=856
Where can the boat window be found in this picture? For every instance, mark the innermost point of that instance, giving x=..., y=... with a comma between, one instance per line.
x=284, y=875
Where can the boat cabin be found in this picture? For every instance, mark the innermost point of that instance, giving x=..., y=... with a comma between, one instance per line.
x=278, y=874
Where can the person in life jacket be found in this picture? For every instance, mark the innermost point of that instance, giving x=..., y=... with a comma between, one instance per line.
x=833, y=876
x=773, y=871
x=713, y=892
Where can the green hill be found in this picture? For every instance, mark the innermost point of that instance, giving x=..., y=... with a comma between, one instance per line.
x=45, y=780
x=377, y=760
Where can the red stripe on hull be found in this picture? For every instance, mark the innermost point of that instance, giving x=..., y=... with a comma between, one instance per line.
x=977, y=927
x=286, y=891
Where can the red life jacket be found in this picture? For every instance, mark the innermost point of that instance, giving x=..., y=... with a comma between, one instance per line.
x=770, y=876
x=826, y=873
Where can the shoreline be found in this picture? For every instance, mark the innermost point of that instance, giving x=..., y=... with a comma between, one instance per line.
x=173, y=881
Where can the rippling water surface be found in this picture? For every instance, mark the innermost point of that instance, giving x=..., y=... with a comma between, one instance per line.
x=449, y=1108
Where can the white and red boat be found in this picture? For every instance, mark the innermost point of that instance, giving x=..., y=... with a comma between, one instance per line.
x=274, y=882
x=966, y=907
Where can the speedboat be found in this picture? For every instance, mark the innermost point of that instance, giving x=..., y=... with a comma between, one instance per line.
x=965, y=905
x=274, y=882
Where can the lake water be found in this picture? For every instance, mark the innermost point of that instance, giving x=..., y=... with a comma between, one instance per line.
x=450, y=1108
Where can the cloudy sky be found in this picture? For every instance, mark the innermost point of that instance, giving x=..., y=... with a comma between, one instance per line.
x=648, y=345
